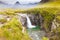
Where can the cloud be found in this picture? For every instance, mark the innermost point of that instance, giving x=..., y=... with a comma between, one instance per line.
x=28, y=1
x=21, y=1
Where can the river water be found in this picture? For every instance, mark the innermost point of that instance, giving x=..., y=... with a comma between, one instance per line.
x=36, y=34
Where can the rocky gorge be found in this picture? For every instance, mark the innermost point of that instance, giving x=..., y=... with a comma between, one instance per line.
x=37, y=23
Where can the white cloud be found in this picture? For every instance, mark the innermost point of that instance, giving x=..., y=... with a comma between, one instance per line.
x=28, y=1
x=21, y=1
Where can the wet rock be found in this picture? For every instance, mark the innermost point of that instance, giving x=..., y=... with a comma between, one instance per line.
x=36, y=35
x=36, y=19
x=22, y=19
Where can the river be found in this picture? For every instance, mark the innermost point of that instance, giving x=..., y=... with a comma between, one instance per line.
x=33, y=32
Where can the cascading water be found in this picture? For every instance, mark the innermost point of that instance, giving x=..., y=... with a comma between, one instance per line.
x=29, y=24
x=34, y=34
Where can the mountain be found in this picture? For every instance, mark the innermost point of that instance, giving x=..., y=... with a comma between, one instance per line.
x=43, y=1
x=17, y=3
x=2, y=3
x=20, y=1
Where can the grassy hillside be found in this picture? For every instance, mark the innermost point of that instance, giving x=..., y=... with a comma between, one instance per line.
x=50, y=4
x=47, y=13
x=12, y=30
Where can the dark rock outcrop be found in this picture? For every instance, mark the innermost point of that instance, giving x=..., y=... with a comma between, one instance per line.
x=43, y=1
x=36, y=19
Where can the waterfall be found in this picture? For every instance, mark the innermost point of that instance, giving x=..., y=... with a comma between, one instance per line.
x=29, y=24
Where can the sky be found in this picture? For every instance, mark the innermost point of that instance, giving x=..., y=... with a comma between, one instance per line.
x=21, y=1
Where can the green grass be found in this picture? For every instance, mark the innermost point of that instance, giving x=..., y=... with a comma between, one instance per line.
x=50, y=4
x=16, y=33
x=12, y=30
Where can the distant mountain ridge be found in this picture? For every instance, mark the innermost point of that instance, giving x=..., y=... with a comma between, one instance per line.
x=19, y=2
x=44, y=1
x=3, y=3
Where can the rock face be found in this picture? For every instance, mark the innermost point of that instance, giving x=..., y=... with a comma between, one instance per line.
x=36, y=19
x=43, y=1
x=55, y=24
x=22, y=19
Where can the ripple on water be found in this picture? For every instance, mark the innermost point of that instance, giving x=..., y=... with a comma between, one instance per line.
x=36, y=35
